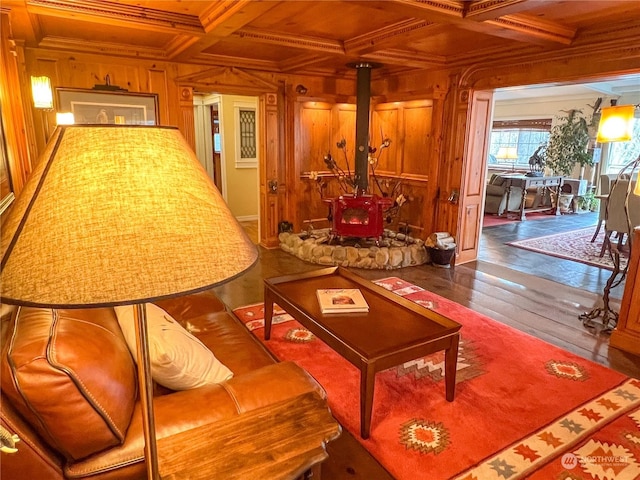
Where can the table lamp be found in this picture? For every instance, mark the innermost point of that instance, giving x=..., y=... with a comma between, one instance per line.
x=116, y=215
x=508, y=153
x=616, y=125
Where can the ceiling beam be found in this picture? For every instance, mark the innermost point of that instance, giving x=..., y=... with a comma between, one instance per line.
x=405, y=59
x=518, y=26
x=532, y=29
x=103, y=48
x=219, y=21
x=117, y=14
x=28, y=24
x=387, y=36
x=312, y=44
x=482, y=10
x=301, y=62
x=230, y=61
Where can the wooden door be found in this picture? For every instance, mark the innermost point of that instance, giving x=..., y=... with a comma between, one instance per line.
x=472, y=194
x=273, y=192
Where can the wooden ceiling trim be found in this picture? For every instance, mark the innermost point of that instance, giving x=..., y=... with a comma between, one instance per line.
x=388, y=35
x=293, y=41
x=405, y=59
x=301, y=62
x=226, y=73
x=117, y=14
x=619, y=46
x=227, y=76
x=181, y=44
x=228, y=88
x=103, y=48
x=28, y=24
x=441, y=10
x=231, y=16
x=490, y=9
x=229, y=61
x=534, y=28
x=514, y=26
x=219, y=12
x=220, y=20
x=606, y=40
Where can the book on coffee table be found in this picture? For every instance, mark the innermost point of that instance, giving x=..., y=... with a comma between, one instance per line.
x=341, y=300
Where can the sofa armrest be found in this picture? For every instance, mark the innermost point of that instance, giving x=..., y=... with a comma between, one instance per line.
x=188, y=409
x=496, y=190
x=264, y=443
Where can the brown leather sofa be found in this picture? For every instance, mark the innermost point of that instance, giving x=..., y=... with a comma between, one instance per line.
x=69, y=389
x=496, y=196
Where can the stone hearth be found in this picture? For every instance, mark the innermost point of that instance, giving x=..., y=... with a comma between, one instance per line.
x=394, y=250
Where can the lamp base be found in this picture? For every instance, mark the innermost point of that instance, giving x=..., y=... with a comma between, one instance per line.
x=608, y=322
x=609, y=317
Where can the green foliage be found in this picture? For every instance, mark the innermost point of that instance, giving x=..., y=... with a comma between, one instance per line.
x=568, y=144
x=585, y=201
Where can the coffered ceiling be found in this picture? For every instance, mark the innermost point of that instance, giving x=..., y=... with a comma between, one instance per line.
x=322, y=36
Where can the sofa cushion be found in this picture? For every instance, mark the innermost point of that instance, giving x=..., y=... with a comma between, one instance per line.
x=179, y=361
x=496, y=190
x=71, y=375
x=496, y=179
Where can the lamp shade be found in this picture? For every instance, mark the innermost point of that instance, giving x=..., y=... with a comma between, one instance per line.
x=616, y=124
x=116, y=215
x=508, y=153
x=41, y=92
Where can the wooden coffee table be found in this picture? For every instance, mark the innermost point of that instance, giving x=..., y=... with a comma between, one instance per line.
x=394, y=331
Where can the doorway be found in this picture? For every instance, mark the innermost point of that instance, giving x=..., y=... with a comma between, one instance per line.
x=226, y=131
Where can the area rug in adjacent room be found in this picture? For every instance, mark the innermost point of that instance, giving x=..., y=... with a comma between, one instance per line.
x=490, y=220
x=574, y=245
x=522, y=409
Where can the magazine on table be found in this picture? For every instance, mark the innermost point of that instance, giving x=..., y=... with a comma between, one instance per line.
x=341, y=300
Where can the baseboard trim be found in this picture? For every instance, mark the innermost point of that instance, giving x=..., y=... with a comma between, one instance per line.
x=247, y=218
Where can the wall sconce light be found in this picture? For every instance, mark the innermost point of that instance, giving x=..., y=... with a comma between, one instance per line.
x=616, y=124
x=301, y=89
x=65, y=118
x=43, y=101
x=41, y=92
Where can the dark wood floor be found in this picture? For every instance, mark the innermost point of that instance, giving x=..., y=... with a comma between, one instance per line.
x=534, y=293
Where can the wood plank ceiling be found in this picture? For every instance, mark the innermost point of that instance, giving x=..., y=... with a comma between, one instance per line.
x=320, y=37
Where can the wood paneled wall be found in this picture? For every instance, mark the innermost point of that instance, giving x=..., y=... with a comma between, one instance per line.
x=175, y=101
x=15, y=126
x=411, y=158
x=428, y=116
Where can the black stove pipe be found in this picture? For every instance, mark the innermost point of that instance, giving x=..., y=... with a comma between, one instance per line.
x=363, y=72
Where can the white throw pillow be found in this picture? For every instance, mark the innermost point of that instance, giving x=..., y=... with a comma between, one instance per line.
x=179, y=360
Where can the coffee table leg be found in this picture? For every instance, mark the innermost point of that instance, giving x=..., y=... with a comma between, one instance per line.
x=268, y=313
x=367, y=382
x=450, y=366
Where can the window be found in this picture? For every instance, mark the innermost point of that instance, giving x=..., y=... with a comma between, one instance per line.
x=525, y=135
x=246, y=135
x=621, y=153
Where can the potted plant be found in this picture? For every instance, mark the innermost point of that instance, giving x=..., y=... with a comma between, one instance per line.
x=567, y=144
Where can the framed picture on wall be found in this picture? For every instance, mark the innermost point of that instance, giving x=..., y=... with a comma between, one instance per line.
x=92, y=106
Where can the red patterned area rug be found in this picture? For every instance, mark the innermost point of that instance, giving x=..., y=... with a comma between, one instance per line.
x=575, y=245
x=522, y=409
